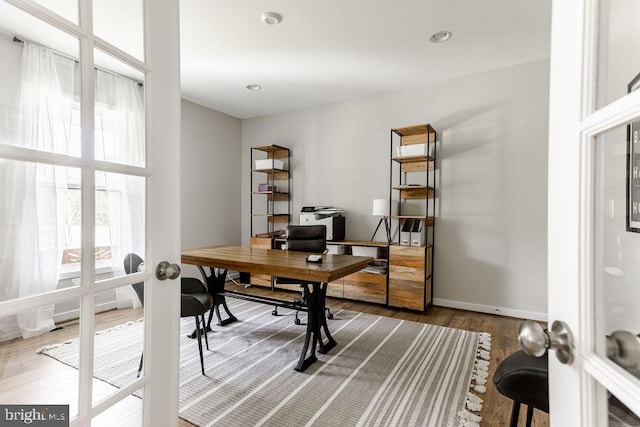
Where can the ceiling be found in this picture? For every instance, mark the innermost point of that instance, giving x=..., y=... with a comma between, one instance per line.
x=330, y=50
x=321, y=52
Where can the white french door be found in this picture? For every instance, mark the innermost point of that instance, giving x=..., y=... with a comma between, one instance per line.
x=81, y=188
x=594, y=274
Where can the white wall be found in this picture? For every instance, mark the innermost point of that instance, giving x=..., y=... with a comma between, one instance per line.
x=490, y=241
x=211, y=178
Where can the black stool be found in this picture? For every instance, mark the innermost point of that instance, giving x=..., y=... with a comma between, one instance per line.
x=524, y=379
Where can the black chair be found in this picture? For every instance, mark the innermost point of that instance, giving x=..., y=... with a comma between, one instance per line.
x=195, y=301
x=525, y=380
x=304, y=238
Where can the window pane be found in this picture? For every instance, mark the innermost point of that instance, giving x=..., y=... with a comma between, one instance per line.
x=618, y=50
x=120, y=216
x=119, y=112
x=40, y=81
x=120, y=22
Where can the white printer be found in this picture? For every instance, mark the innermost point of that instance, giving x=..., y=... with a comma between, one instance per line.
x=324, y=215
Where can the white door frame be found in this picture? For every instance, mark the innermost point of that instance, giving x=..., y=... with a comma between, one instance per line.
x=162, y=302
x=163, y=209
x=575, y=398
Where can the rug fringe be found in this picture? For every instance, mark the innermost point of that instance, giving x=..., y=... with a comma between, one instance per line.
x=72, y=340
x=477, y=383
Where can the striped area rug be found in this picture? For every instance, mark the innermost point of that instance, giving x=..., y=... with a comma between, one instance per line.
x=384, y=371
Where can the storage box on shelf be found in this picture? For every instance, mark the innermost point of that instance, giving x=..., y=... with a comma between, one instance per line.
x=413, y=184
x=263, y=164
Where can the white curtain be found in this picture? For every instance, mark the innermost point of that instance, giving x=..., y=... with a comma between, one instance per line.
x=34, y=195
x=120, y=139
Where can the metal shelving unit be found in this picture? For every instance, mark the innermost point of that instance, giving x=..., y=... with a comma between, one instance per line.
x=413, y=190
x=270, y=206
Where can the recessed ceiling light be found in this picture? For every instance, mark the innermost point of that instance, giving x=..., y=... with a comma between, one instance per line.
x=254, y=87
x=441, y=36
x=271, y=18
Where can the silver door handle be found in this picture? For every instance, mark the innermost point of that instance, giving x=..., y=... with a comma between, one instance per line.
x=164, y=271
x=535, y=341
x=624, y=348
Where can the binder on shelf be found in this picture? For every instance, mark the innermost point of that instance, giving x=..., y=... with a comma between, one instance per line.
x=417, y=233
x=405, y=232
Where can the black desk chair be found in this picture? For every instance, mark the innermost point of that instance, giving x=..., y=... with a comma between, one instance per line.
x=195, y=301
x=525, y=380
x=304, y=238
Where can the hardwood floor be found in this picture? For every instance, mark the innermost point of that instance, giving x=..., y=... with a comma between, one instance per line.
x=27, y=377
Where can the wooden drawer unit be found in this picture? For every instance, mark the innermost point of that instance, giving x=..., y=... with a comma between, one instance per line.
x=367, y=287
x=407, y=277
x=336, y=289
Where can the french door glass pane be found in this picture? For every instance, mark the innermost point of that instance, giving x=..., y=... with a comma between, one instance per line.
x=119, y=341
x=68, y=9
x=616, y=247
x=41, y=370
x=119, y=112
x=618, y=49
x=39, y=94
x=40, y=227
x=126, y=413
x=120, y=22
x=618, y=413
x=120, y=221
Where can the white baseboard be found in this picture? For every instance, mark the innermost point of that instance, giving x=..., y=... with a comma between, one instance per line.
x=500, y=311
x=63, y=317
x=75, y=314
x=9, y=336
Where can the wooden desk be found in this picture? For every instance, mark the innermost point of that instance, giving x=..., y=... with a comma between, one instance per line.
x=280, y=263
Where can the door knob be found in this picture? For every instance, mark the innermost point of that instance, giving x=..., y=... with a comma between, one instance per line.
x=624, y=348
x=164, y=271
x=535, y=341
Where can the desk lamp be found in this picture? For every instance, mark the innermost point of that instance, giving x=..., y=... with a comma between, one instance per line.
x=381, y=209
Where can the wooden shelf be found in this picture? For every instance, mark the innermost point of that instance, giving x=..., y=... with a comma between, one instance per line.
x=415, y=163
x=273, y=173
x=358, y=243
x=414, y=130
x=411, y=159
x=284, y=218
x=429, y=220
x=395, y=245
x=277, y=196
x=415, y=191
x=273, y=151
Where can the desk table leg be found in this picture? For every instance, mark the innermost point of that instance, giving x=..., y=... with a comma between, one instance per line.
x=321, y=309
x=316, y=322
x=215, y=286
